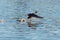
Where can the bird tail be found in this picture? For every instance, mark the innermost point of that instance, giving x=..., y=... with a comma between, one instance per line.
x=39, y=17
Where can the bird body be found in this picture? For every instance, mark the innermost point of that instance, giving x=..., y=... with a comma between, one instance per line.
x=33, y=15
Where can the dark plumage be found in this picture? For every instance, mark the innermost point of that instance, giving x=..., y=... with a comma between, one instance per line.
x=33, y=15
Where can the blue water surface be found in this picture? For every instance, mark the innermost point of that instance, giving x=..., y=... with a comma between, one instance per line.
x=11, y=10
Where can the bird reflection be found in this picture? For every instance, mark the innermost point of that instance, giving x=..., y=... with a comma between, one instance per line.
x=30, y=24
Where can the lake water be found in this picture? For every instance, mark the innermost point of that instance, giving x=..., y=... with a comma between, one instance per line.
x=47, y=29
